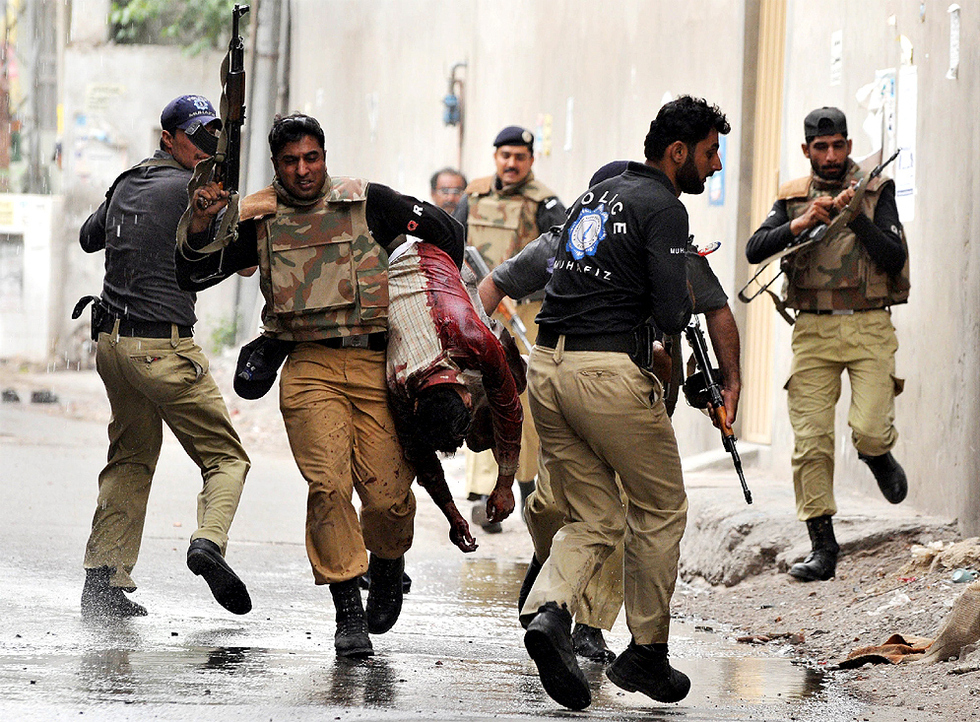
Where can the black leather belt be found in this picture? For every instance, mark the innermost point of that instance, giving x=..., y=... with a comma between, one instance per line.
x=372, y=341
x=622, y=342
x=146, y=329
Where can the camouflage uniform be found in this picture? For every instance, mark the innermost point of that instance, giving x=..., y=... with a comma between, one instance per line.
x=324, y=277
x=844, y=322
x=500, y=222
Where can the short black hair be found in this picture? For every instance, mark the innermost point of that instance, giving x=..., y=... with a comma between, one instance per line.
x=441, y=418
x=290, y=128
x=435, y=176
x=686, y=119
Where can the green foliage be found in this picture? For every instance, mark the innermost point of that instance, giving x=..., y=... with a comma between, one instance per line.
x=223, y=334
x=195, y=25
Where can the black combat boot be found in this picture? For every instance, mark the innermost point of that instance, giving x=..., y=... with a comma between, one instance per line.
x=532, y=573
x=549, y=642
x=205, y=560
x=384, y=602
x=821, y=563
x=351, y=638
x=644, y=668
x=588, y=642
x=889, y=474
x=102, y=601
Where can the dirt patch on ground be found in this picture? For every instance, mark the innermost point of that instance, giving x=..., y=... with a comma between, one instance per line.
x=877, y=593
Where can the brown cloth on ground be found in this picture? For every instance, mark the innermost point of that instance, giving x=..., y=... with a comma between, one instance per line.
x=896, y=650
x=960, y=628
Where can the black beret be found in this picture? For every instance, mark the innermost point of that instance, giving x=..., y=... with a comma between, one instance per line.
x=514, y=135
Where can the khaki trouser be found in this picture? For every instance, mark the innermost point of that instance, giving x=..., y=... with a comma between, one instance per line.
x=335, y=406
x=481, y=469
x=603, y=596
x=864, y=344
x=598, y=416
x=150, y=381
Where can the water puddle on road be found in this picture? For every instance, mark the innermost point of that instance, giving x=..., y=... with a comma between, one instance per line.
x=456, y=653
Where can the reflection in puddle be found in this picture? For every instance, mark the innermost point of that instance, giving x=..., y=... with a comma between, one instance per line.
x=361, y=683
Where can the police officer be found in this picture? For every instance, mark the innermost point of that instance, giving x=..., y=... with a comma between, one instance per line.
x=321, y=244
x=529, y=271
x=842, y=288
x=621, y=260
x=503, y=213
x=154, y=373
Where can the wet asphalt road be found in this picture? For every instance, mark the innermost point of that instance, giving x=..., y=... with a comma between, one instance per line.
x=455, y=654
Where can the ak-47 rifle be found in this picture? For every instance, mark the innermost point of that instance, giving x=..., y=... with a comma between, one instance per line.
x=224, y=166
x=227, y=165
x=817, y=233
x=712, y=397
x=507, y=308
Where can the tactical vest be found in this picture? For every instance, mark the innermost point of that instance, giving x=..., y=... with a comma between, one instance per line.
x=501, y=222
x=321, y=272
x=836, y=273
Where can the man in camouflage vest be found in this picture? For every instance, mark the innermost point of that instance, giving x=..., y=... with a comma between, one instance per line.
x=321, y=246
x=842, y=287
x=503, y=213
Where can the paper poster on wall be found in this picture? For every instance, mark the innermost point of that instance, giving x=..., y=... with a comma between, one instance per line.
x=908, y=101
x=954, y=41
x=716, y=183
x=878, y=98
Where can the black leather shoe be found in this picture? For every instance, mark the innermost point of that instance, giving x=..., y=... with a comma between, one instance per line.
x=549, y=642
x=102, y=601
x=384, y=602
x=588, y=642
x=351, y=638
x=821, y=563
x=644, y=668
x=890, y=476
x=205, y=560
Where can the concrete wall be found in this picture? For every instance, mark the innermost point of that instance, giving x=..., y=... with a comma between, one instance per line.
x=939, y=329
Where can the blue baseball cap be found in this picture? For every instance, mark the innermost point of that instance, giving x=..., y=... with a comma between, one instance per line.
x=182, y=112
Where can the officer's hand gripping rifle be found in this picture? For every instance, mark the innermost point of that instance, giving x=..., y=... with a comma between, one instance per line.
x=507, y=308
x=712, y=390
x=816, y=233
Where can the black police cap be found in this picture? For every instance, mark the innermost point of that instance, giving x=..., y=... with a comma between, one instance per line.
x=514, y=135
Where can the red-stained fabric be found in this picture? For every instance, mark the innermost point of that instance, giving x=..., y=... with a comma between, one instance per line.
x=467, y=345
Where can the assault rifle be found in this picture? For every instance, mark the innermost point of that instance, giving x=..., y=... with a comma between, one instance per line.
x=815, y=234
x=227, y=165
x=507, y=308
x=224, y=166
x=708, y=394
